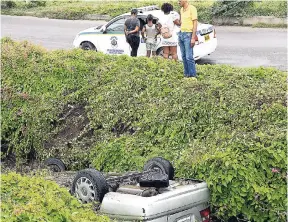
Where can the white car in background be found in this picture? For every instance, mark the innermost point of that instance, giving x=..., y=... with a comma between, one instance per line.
x=110, y=38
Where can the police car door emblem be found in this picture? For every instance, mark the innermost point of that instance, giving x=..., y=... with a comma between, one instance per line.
x=114, y=43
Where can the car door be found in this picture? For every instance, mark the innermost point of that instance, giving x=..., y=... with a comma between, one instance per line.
x=113, y=40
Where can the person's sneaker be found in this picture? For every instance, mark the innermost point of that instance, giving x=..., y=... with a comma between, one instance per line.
x=191, y=78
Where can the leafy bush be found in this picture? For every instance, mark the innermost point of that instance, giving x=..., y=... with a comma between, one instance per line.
x=25, y=198
x=35, y=3
x=206, y=9
x=233, y=8
x=116, y=112
x=268, y=8
x=249, y=8
x=79, y=9
x=7, y=4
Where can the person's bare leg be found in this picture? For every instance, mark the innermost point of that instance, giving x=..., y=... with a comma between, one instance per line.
x=148, y=53
x=166, y=52
x=153, y=53
x=173, y=50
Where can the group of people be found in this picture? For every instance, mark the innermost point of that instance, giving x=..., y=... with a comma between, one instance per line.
x=168, y=27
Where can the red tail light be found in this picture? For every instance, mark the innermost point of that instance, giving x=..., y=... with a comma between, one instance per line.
x=214, y=33
x=205, y=214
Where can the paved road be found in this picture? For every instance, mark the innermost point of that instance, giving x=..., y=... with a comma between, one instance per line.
x=239, y=46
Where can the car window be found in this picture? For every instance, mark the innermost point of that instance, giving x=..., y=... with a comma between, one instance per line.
x=117, y=25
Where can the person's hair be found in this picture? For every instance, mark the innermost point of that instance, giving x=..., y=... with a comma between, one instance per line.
x=134, y=11
x=167, y=8
x=150, y=17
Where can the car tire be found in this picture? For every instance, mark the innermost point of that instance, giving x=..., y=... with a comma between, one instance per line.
x=89, y=185
x=55, y=165
x=105, y=185
x=87, y=46
x=163, y=165
x=160, y=52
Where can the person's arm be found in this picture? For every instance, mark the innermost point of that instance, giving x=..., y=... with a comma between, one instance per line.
x=159, y=26
x=193, y=39
x=134, y=31
x=136, y=28
x=156, y=32
x=125, y=29
x=143, y=31
x=194, y=21
x=177, y=20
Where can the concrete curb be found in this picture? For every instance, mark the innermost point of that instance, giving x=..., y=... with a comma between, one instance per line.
x=269, y=20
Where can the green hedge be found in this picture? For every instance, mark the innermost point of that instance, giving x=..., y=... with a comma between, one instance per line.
x=78, y=9
x=268, y=8
x=227, y=128
x=237, y=8
x=25, y=198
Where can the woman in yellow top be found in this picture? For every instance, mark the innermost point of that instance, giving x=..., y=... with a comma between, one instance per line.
x=187, y=36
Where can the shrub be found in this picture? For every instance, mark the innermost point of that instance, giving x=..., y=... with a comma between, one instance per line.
x=25, y=198
x=268, y=8
x=35, y=3
x=233, y=8
x=116, y=112
x=7, y=4
x=79, y=9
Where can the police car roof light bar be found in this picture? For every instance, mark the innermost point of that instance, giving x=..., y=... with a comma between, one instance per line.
x=148, y=8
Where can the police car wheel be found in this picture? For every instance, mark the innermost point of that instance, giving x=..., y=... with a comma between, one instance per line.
x=160, y=52
x=87, y=46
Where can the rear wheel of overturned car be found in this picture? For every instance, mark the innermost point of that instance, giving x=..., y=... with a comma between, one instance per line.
x=88, y=46
x=89, y=185
x=162, y=165
x=55, y=165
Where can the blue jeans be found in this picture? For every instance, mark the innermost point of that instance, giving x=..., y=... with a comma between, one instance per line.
x=184, y=39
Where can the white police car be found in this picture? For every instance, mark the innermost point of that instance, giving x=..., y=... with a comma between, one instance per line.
x=110, y=38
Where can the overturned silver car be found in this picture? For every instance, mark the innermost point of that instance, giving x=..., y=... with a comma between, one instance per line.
x=151, y=195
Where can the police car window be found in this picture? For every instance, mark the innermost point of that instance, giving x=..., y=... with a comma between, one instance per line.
x=117, y=25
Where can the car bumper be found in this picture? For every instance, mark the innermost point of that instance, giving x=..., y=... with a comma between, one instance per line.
x=205, y=49
x=76, y=42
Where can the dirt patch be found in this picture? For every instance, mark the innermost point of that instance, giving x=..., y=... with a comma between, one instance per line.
x=74, y=125
x=72, y=139
x=63, y=179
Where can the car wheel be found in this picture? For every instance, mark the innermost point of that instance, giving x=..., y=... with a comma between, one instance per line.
x=55, y=165
x=160, y=52
x=87, y=46
x=89, y=185
x=162, y=165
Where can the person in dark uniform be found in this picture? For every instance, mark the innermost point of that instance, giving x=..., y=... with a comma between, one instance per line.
x=131, y=29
